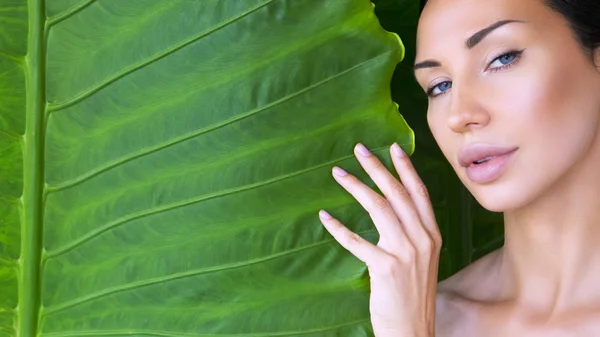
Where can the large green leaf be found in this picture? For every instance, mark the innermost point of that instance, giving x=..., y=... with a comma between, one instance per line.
x=162, y=164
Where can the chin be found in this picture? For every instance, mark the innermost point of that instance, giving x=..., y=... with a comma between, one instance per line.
x=500, y=195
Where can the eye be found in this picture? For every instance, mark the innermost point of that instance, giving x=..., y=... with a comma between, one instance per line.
x=505, y=60
x=439, y=89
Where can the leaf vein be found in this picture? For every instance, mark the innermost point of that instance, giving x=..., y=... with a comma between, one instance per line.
x=68, y=13
x=53, y=107
x=11, y=135
x=194, y=272
x=160, y=209
x=158, y=333
x=19, y=59
x=11, y=200
x=149, y=150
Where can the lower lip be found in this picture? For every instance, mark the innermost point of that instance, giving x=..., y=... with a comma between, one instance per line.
x=490, y=170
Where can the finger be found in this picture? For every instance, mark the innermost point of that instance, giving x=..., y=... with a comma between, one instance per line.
x=396, y=194
x=352, y=242
x=416, y=188
x=385, y=219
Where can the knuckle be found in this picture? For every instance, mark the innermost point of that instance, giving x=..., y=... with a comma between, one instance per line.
x=352, y=182
x=422, y=189
x=399, y=191
x=376, y=164
x=350, y=179
x=426, y=245
x=381, y=204
x=429, y=243
x=353, y=239
x=406, y=163
x=437, y=239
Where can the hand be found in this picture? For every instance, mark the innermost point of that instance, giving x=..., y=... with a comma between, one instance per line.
x=403, y=266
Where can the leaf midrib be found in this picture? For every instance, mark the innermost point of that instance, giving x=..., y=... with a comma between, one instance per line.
x=33, y=175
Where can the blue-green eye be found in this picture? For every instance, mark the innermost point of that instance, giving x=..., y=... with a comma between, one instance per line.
x=505, y=60
x=439, y=89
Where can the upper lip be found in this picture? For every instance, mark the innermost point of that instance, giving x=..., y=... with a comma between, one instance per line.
x=472, y=153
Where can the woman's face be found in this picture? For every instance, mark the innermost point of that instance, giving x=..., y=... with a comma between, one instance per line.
x=524, y=85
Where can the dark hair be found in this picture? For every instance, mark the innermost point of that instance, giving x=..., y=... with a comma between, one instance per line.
x=584, y=17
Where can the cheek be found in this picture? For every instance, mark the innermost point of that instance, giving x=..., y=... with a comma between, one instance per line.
x=541, y=101
x=553, y=111
x=552, y=115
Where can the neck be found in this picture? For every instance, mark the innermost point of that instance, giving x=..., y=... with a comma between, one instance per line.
x=552, y=246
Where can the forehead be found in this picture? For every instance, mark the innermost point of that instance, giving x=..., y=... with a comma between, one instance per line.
x=445, y=22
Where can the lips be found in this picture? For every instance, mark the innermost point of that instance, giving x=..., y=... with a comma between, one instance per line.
x=479, y=152
x=485, y=163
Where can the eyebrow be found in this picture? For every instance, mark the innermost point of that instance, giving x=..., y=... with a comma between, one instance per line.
x=470, y=43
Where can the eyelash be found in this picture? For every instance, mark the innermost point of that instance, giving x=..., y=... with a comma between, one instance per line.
x=516, y=53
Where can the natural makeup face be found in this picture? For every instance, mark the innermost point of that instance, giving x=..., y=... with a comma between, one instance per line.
x=524, y=83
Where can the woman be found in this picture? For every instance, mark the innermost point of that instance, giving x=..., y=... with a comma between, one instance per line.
x=514, y=104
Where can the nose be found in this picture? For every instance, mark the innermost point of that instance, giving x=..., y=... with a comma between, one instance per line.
x=466, y=110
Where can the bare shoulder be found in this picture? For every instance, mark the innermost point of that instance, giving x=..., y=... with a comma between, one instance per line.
x=449, y=318
x=459, y=297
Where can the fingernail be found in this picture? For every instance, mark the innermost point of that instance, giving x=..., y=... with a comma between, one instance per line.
x=397, y=150
x=339, y=172
x=323, y=214
x=362, y=150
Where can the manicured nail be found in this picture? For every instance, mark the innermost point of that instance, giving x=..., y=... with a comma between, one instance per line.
x=323, y=214
x=362, y=150
x=397, y=150
x=339, y=172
